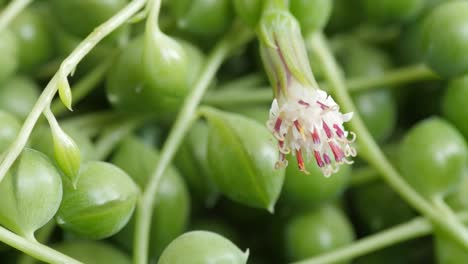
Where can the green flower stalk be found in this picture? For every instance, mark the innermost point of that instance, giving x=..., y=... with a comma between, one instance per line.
x=305, y=120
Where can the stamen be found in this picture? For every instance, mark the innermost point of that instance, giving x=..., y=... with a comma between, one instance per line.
x=300, y=162
x=326, y=158
x=278, y=124
x=350, y=151
x=327, y=129
x=322, y=105
x=282, y=162
x=318, y=158
x=300, y=129
x=353, y=137
x=315, y=136
x=308, y=124
x=301, y=102
x=282, y=148
x=329, y=170
x=337, y=151
x=338, y=130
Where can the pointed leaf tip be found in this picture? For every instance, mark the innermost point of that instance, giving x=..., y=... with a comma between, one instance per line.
x=64, y=91
x=67, y=154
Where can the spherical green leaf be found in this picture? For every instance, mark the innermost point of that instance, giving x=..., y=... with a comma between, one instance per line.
x=311, y=14
x=102, y=202
x=448, y=251
x=202, y=18
x=444, y=39
x=242, y=157
x=201, y=247
x=129, y=90
x=458, y=200
x=377, y=108
x=9, y=129
x=249, y=11
x=18, y=96
x=454, y=104
x=216, y=225
x=34, y=39
x=9, y=54
x=81, y=17
x=392, y=11
x=387, y=209
x=166, y=64
x=191, y=160
x=172, y=208
x=92, y=252
x=433, y=156
x=317, y=232
x=31, y=193
x=306, y=191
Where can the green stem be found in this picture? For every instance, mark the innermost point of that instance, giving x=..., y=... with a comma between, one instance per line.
x=67, y=67
x=83, y=87
x=182, y=124
x=391, y=78
x=231, y=97
x=250, y=81
x=42, y=236
x=34, y=249
x=370, y=150
x=153, y=17
x=415, y=228
x=439, y=202
x=11, y=11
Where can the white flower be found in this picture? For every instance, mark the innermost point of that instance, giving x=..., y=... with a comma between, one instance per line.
x=307, y=122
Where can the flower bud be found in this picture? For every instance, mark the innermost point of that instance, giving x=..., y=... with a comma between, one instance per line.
x=283, y=51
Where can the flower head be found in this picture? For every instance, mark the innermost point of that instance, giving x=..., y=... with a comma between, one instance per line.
x=305, y=120
x=307, y=123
